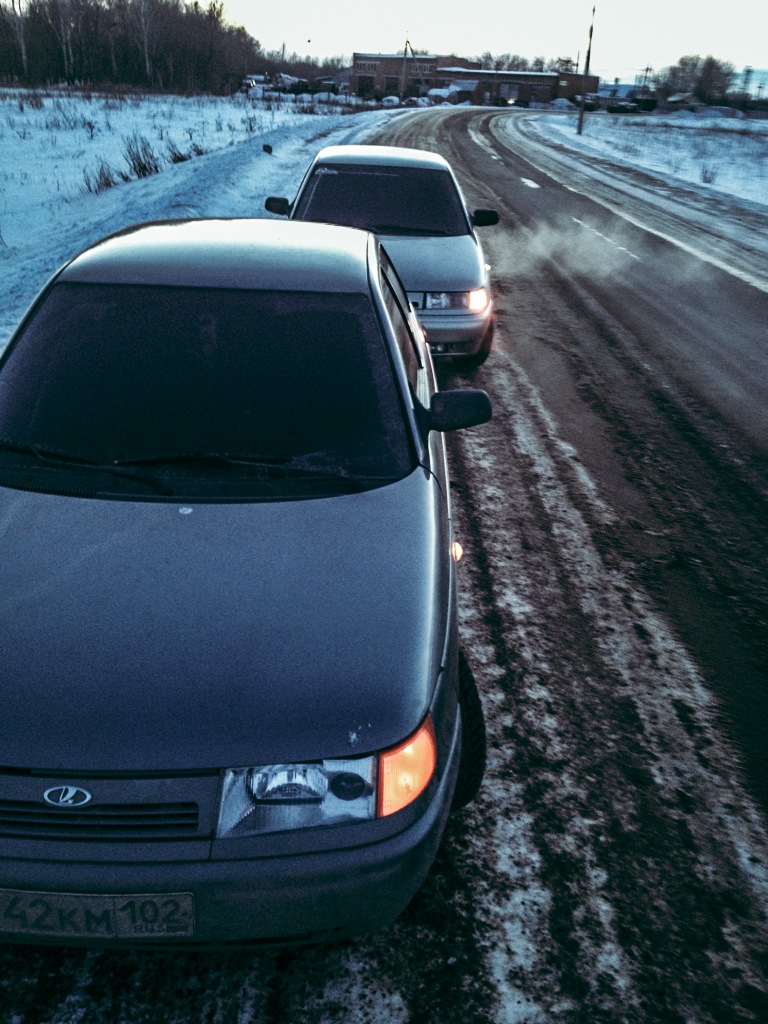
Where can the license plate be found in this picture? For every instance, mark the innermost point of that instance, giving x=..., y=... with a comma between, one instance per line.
x=69, y=915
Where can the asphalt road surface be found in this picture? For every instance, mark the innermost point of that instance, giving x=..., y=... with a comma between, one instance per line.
x=613, y=608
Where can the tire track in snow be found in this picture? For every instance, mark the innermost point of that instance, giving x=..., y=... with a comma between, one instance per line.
x=611, y=735
x=530, y=969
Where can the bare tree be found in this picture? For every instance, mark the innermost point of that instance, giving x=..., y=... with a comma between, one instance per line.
x=143, y=15
x=715, y=78
x=707, y=78
x=18, y=19
x=60, y=15
x=565, y=65
x=504, y=62
x=680, y=77
x=517, y=62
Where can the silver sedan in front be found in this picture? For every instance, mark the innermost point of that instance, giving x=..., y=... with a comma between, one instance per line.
x=411, y=199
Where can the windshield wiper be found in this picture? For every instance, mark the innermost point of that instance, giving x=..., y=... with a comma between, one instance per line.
x=275, y=465
x=26, y=448
x=54, y=457
x=268, y=462
x=401, y=229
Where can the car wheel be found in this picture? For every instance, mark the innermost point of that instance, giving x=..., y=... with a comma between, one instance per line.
x=472, y=760
x=482, y=353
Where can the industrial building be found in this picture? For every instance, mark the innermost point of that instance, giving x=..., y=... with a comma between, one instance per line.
x=375, y=75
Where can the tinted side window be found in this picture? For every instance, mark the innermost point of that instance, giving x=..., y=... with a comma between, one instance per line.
x=394, y=282
x=402, y=331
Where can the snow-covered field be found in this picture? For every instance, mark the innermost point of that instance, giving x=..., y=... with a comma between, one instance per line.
x=55, y=145
x=724, y=154
x=77, y=166
x=58, y=145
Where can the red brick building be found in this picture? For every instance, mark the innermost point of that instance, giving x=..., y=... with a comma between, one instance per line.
x=375, y=75
x=393, y=74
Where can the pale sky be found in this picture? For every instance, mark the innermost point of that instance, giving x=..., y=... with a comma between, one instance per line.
x=628, y=36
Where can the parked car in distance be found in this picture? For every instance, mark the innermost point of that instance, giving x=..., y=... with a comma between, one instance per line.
x=233, y=709
x=622, y=107
x=412, y=200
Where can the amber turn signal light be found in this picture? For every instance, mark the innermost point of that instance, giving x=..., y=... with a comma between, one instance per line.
x=405, y=771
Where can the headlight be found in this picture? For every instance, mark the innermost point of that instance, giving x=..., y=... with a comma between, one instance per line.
x=281, y=797
x=474, y=301
x=278, y=797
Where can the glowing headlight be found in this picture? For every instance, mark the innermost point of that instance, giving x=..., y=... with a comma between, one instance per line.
x=474, y=301
x=478, y=300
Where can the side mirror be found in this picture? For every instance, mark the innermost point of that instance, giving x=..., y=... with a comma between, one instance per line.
x=484, y=218
x=454, y=410
x=277, y=204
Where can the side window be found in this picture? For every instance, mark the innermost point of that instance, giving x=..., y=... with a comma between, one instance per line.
x=394, y=283
x=402, y=331
x=398, y=306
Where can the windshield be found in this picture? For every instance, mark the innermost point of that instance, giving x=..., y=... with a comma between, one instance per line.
x=213, y=392
x=388, y=200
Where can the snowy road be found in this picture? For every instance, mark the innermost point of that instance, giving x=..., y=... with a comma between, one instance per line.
x=615, y=507
x=613, y=607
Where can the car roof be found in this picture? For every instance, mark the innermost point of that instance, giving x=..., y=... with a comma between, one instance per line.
x=258, y=254
x=390, y=155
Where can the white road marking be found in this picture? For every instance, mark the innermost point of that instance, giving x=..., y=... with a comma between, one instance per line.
x=529, y=183
x=705, y=257
x=621, y=248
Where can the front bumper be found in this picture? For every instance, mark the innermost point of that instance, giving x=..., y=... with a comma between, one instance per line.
x=456, y=334
x=276, y=900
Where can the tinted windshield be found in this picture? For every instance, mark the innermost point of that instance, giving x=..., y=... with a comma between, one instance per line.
x=389, y=200
x=297, y=383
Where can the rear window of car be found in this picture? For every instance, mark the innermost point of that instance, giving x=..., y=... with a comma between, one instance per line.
x=388, y=200
x=121, y=373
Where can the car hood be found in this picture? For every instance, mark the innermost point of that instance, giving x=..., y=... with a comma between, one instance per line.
x=154, y=636
x=450, y=264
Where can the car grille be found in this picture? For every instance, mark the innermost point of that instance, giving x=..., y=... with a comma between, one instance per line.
x=106, y=821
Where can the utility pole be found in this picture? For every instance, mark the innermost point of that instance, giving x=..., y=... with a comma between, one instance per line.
x=586, y=73
x=405, y=65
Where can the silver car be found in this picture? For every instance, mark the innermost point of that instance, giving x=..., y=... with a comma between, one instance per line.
x=412, y=200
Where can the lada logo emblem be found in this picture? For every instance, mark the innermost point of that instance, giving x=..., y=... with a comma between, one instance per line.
x=67, y=796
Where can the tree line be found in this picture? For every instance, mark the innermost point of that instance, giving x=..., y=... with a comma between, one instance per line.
x=709, y=80
x=159, y=44
x=183, y=46
x=516, y=62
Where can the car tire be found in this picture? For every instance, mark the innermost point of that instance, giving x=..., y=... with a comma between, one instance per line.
x=473, y=743
x=479, y=357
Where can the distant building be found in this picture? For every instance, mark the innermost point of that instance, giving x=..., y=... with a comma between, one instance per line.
x=338, y=82
x=617, y=94
x=375, y=75
x=456, y=80
x=516, y=88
